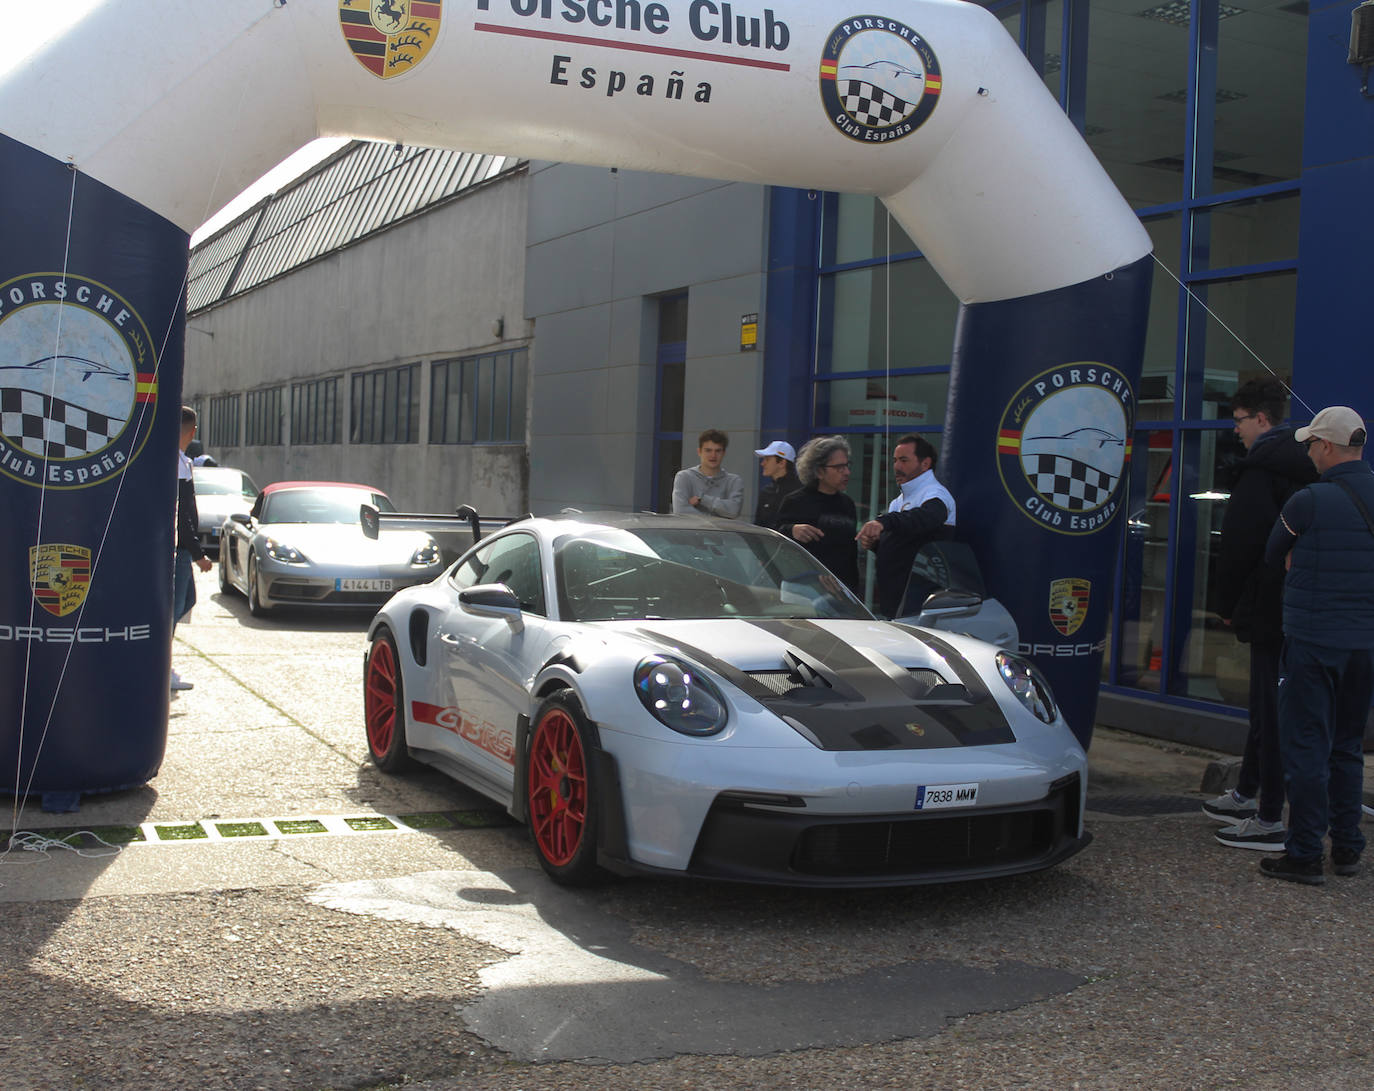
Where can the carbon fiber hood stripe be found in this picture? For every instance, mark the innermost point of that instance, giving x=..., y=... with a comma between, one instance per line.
x=849, y=698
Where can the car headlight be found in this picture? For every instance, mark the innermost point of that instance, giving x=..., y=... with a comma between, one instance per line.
x=425, y=556
x=280, y=551
x=1024, y=679
x=679, y=696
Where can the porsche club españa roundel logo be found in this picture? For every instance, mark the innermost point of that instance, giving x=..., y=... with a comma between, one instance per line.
x=78, y=381
x=1064, y=446
x=60, y=576
x=879, y=79
x=390, y=37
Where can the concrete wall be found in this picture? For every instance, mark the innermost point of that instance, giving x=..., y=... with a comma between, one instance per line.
x=602, y=243
x=427, y=289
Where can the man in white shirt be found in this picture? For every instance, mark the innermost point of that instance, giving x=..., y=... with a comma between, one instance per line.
x=707, y=489
x=922, y=512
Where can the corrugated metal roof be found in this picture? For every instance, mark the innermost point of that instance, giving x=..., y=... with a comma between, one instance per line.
x=361, y=189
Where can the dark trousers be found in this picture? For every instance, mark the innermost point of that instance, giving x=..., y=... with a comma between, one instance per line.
x=1261, y=767
x=1324, y=695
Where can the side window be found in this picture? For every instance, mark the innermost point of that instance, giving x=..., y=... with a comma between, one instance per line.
x=512, y=559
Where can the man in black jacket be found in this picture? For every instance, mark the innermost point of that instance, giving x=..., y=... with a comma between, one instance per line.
x=1249, y=599
x=188, y=551
x=776, y=461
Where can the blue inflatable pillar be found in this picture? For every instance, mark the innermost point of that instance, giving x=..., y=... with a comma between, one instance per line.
x=92, y=317
x=1037, y=451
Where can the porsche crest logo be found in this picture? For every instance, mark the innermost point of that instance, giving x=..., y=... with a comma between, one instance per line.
x=390, y=37
x=1069, y=604
x=60, y=576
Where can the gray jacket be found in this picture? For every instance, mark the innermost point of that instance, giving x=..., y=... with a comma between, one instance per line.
x=721, y=496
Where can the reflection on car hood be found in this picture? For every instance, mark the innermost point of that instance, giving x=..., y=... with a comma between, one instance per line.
x=845, y=685
x=344, y=543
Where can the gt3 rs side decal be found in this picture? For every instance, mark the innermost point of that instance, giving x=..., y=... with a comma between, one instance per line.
x=497, y=741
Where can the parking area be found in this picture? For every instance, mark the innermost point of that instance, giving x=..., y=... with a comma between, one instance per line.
x=278, y=914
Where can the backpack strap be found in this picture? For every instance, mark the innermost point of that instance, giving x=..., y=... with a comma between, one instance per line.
x=1355, y=499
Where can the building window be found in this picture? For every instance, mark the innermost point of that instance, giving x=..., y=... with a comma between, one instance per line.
x=479, y=399
x=263, y=418
x=224, y=421
x=315, y=412
x=385, y=405
x=670, y=363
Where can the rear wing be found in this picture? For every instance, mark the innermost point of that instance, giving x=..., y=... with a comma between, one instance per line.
x=455, y=534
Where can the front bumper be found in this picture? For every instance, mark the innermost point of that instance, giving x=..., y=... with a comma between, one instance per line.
x=742, y=842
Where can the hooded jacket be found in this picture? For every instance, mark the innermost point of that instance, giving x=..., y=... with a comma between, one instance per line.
x=1249, y=592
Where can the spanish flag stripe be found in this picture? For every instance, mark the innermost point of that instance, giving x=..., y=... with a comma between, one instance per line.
x=933, y=85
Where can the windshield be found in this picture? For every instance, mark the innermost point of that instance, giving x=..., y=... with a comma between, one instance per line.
x=323, y=505
x=692, y=573
x=213, y=481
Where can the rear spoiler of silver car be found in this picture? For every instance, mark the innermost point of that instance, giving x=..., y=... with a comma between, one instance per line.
x=455, y=534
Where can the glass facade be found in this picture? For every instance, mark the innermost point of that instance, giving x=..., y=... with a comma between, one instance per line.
x=1195, y=110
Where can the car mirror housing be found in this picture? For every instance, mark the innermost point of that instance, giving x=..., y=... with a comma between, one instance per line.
x=949, y=603
x=239, y=517
x=492, y=600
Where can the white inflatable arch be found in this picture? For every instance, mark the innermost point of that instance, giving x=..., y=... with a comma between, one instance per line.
x=176, y=106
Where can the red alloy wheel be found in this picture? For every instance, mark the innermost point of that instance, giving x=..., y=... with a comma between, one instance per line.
x=557, y=787
x=380, y=697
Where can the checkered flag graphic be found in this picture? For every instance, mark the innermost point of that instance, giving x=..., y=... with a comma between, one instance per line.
x=1068, y=483
x=872, y=106
x=51, y=427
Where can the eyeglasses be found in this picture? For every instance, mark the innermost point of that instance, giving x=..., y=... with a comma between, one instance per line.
x=837, y=466
x=1244, y=416
x=1307, y=443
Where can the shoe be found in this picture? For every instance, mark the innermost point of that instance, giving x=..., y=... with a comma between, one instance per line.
x=178, y=682
x=1230, y=808
x=1254, y=834
x=1287, y=867
x=1345, y=862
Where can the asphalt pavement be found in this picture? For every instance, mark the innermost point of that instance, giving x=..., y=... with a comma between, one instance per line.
x=272, y=912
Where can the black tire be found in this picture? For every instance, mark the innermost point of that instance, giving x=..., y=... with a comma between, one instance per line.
x=562, y=792
x=384, y=718
x=255, y=606
x=225, y=585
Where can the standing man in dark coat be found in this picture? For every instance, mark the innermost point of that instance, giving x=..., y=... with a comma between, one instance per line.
x=922, y=512
x=1250, y=600
x=819, y=515
x=1325, y=535
x=776, y=461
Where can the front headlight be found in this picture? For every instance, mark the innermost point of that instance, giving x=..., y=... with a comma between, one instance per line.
x=679, y=696
x=1024, y=679
x=280, y=551
x=425, y=556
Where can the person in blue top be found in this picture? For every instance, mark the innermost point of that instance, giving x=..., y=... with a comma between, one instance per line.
x=1325, y=537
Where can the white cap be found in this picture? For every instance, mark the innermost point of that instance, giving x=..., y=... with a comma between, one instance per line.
x=779, y=447
x=1338, y=424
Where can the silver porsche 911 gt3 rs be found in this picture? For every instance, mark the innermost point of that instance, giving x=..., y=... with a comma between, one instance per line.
x=677, y=695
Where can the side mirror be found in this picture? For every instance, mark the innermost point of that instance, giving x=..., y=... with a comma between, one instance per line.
x=371, y=521
x=492, y=600
x=951, y=604
x=240, y=518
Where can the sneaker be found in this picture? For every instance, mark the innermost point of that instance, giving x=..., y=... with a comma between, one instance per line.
x=1230, y=808
x=178, y=682
x=1345, y=862
x=1254, y=834
x=1287, y=867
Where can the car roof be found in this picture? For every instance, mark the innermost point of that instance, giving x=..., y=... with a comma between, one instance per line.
x=278, y=486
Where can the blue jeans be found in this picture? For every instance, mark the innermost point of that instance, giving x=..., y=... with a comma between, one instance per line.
x=1324, y=696
x=183, y=586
